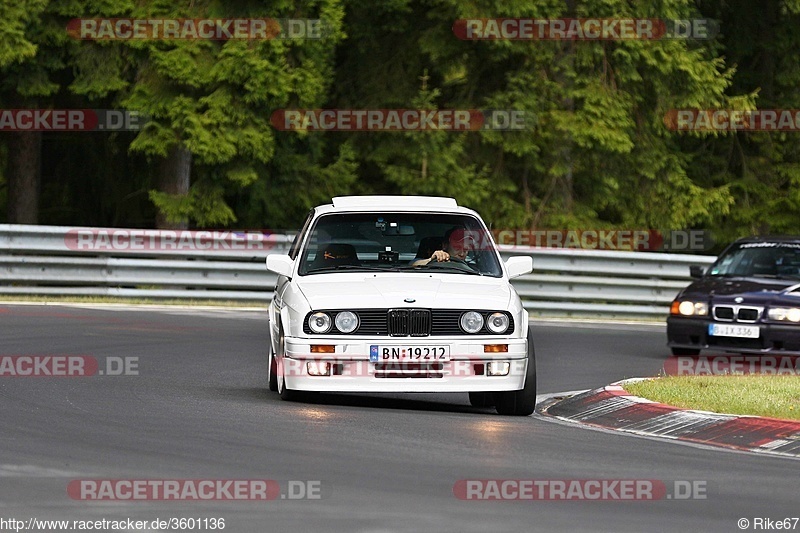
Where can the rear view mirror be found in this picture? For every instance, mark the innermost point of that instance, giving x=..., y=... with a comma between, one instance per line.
x=393, y=229
x=519, y=266
x=280, y=264
x=696, y=271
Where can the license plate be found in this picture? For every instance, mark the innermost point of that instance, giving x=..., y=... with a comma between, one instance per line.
x=730, y=330
x=380, y=354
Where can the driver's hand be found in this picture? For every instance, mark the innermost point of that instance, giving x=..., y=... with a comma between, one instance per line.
x=440, y=256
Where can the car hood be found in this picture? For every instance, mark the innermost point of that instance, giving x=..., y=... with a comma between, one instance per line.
x=372, y=291
x=751, y=290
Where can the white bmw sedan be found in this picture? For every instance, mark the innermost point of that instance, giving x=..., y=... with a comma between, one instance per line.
x=400, y=294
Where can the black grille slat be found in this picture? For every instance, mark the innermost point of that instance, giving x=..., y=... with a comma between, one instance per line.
x=445, y=322
x=724, y=312
x=730, y=313
x=398, y=322
x=405, y=322
x=748, y=315
x=420, y=323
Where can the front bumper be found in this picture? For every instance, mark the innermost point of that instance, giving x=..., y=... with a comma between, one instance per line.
x=685, y=332
x=352, y=370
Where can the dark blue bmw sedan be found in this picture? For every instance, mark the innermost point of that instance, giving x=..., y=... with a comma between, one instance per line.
x=747, y=301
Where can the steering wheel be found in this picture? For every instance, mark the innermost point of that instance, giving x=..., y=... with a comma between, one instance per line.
x=453, y=262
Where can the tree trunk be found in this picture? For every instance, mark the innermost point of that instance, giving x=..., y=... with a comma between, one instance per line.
x=174, y=175
x=568, y=189
x=568, y=192
x=24, y=176
x=768, y=28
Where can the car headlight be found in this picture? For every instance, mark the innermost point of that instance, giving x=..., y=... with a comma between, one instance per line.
x=319, y=323
x=688, y=308
x=791, y=314
x=346, y=321
x=497, y=323
x=471, y=322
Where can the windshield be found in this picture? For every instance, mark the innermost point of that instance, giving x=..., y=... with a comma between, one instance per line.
x=399, y=242
x=760, y=260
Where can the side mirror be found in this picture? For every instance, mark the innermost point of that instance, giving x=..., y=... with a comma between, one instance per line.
x=280, y=264
x=697, y=271
x=519, y=266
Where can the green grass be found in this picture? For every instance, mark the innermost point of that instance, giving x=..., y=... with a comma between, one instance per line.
x=772, y=396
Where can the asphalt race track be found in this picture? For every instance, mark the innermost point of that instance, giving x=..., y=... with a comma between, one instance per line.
x=199, y=409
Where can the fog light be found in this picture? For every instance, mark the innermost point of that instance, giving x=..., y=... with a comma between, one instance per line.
x=498, y=368
x=318, y=368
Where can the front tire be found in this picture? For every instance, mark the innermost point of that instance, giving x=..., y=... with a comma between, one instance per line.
x=285, y=392
x=481, y=399
x=273, y=370
x=520, y=402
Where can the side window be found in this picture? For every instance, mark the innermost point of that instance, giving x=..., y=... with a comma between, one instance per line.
x=299, y=237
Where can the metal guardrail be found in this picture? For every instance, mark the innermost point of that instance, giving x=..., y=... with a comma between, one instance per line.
x=47, y=260
x=592, y=283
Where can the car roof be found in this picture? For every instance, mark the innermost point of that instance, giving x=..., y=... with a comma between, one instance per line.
x=769, y=238
x=368, y=204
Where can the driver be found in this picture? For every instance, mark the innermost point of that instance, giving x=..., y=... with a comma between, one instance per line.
x=457, y=243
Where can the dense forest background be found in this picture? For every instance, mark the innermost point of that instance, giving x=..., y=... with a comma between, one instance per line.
x=598, y=156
